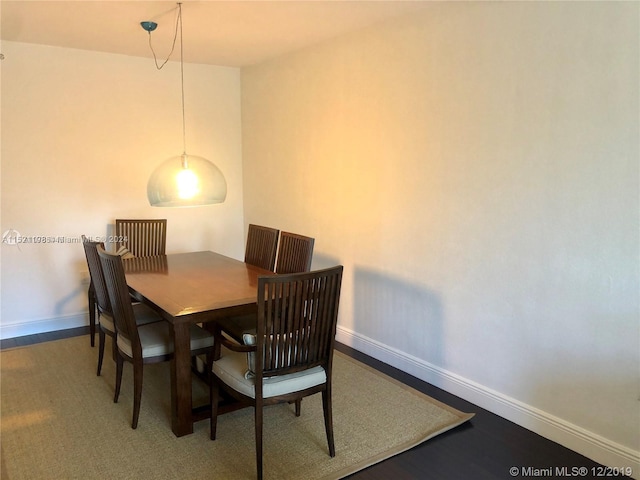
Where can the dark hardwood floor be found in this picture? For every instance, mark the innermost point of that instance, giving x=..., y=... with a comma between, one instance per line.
x=486, y=448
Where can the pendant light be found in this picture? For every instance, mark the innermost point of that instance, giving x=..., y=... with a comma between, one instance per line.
x=184, y=180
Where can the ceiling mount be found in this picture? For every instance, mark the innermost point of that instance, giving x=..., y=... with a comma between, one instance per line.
x=149, y=26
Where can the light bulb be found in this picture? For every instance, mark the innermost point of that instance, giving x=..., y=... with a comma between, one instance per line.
x=188, y=185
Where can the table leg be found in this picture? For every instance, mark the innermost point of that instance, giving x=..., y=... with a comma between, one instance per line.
x=181, y=420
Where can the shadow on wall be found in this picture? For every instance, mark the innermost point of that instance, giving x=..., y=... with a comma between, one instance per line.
x=321, y=261
x=63, y=305
x=399, y=314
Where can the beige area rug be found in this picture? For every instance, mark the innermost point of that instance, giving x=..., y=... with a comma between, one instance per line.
x=58, y=421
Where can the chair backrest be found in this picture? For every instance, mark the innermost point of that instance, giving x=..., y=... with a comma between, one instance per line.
x=96, y=275
x=297, y=317
x=262, y=245
x=294, y=254
x=120, y=299
x=142, y=237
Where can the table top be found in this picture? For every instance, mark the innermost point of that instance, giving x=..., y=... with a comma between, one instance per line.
x=185, y=285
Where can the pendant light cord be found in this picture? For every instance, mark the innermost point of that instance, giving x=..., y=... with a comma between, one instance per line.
x=173, y=45
x=159, y=67
x=184, y=129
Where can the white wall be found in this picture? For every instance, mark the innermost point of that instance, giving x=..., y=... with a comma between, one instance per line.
x=475, y=168
x=81, y=133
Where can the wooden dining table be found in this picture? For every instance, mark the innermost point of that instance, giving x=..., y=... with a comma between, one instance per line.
x=186, y=288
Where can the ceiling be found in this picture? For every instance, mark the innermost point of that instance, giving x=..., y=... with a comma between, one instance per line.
x=232, y=33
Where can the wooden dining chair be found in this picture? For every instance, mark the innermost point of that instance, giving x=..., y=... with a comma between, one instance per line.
x=261, y=247
x=295, y=253
x=106, y=325
x=141, y=344
x=260, y=250
x=290, y=356
x=141, y=237
x=294, y=256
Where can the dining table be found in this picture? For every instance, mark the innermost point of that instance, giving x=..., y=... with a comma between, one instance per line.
x=186, y=288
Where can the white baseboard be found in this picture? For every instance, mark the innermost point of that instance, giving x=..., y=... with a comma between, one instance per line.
x=21, y=329
x=589, y=444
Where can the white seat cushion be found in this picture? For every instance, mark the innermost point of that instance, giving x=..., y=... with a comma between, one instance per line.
x=231, y=369
x=156, y=340
x=143, y=315
x=106, y=322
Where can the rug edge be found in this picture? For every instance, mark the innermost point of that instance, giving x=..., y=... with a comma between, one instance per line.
x=404, y=386
x=463, y=417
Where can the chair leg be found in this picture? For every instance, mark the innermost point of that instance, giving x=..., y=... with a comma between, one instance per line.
x=137, y=392
x=114, y=349
x=101, y=341
x=92, y=314
x=214, y=398
x=328, y=420
x=209, y=365
x=259, y=419
x=119, y=366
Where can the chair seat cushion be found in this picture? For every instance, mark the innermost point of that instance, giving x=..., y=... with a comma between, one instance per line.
x=106, y=322
x=231, y=369
x=156, y=340
x=143, y=315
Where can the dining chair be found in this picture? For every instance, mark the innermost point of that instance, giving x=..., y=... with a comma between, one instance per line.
x=290, y=355
x=295, y=253
x=106, y=325
x=261, y=247
x=141, y=344
x=141, y=237
x=260, y=250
